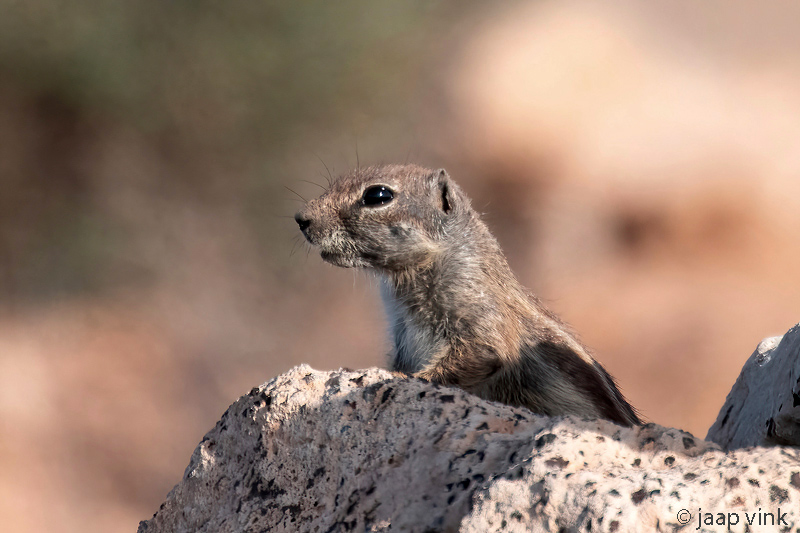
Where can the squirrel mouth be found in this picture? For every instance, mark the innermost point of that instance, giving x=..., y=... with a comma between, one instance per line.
x=335, y=258
x=343, y=260
x=329, y=256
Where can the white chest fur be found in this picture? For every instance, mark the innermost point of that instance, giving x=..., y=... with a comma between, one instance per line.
x=413, y=344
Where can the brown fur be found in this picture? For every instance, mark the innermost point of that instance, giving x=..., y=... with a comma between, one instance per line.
x=458, y=315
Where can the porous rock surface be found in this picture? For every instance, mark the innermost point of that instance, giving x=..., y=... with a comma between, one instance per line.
x=763, y=407
x=370, y=451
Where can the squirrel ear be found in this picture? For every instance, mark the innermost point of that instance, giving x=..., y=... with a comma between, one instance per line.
x=450, y=194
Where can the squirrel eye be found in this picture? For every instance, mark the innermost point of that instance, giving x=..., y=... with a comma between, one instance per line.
x=377, y=195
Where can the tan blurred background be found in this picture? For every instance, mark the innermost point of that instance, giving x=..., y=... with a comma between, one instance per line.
x=639, y=162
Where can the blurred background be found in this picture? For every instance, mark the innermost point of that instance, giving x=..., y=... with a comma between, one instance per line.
x=639, y=163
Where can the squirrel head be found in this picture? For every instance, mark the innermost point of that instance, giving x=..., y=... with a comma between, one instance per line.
x=390, y=218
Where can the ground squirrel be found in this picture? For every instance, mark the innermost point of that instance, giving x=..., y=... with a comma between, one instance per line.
x=458, y=314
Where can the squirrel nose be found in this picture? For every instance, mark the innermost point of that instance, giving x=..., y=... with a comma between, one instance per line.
x=302, y=221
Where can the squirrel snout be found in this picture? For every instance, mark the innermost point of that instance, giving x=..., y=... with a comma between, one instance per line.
x=302, y=221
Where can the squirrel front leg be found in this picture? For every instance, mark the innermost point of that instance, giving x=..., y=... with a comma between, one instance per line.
x=468, y=368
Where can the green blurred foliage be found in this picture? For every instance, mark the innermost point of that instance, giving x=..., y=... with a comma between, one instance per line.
x=163, y=65
x=214, y=91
